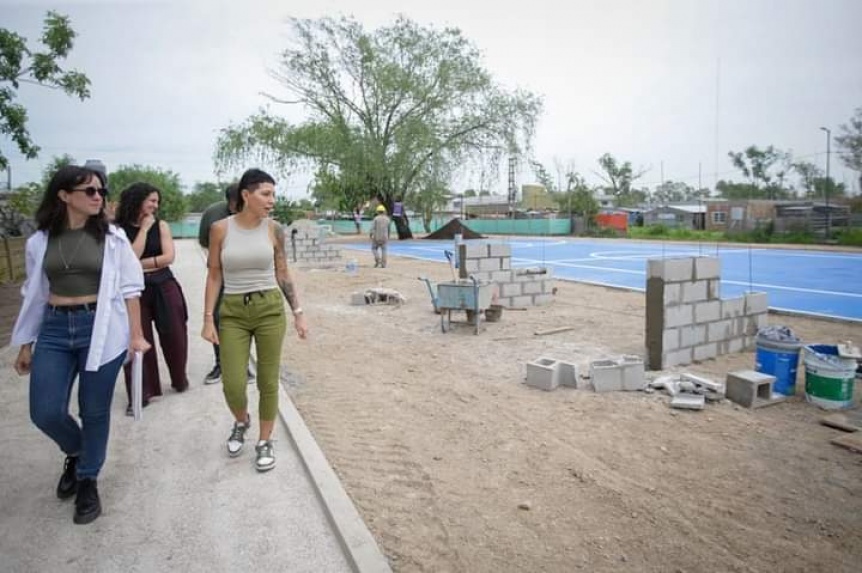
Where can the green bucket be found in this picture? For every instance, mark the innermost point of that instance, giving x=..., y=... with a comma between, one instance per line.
x=829, y=379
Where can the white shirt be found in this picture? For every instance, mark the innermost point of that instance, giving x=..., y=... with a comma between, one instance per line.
x=122, y=278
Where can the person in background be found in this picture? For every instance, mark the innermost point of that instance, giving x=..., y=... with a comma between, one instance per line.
x=379, y=236
x=162, y=302
x=80, y=317
x=213, y=213
x=247, y=258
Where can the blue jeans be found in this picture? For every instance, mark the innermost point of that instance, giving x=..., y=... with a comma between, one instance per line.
x=60, y=354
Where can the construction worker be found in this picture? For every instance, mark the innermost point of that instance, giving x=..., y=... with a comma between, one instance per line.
x=379, y=236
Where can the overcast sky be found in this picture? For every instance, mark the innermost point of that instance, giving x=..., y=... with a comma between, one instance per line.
x=669, y=85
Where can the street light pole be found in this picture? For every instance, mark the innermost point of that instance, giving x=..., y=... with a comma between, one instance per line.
x=826, y=183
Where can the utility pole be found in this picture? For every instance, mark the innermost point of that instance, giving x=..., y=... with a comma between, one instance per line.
x=828, y=182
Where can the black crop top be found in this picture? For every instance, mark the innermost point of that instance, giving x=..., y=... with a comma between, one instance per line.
x=153, y=245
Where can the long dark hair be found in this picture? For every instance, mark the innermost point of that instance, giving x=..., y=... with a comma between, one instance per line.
x=131, y=200
x=251, y=180
x=51, y=214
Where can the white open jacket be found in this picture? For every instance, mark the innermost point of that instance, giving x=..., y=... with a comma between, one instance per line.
x=122, y=278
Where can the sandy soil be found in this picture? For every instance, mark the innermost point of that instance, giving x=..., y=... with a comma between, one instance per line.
x=456, y=465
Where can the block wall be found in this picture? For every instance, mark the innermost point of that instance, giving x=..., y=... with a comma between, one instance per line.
x=307, y=244
x=686, y=318
x=515, y=287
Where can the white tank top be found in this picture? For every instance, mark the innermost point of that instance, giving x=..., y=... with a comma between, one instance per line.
x=247, y=259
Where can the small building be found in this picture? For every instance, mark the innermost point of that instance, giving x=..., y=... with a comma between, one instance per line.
x=677, y=216
x=784, y=216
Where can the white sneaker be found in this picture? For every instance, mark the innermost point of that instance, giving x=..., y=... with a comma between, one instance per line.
x=237, y=438
x=265, y=456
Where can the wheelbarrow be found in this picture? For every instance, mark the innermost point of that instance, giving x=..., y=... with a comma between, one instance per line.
x=432, y=292
x=470, y=295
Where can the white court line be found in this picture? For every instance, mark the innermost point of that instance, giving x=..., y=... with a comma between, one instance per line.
x=730, y=282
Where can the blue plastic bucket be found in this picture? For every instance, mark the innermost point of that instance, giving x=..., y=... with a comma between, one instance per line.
x=779, y=359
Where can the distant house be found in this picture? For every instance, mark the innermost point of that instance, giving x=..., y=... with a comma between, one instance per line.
x=677, y=216
x=785, y=216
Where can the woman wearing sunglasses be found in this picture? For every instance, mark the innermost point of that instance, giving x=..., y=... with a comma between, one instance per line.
x=79, y=318
x=162, y=301
x=247, y=258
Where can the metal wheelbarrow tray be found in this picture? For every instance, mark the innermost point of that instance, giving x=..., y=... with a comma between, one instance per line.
x=470, y=295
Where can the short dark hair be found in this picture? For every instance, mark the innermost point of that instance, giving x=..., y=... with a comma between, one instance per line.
x=51, y=214
x=231, y=192
x=251, y=180
x=131, y=200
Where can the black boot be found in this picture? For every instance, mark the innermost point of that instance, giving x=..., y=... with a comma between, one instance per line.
x=87, y=504
x=68, y=484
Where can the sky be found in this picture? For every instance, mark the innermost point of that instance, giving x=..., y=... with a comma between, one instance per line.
x=669, y=85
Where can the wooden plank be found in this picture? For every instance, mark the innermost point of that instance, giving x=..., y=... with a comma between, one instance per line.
x=849, y=422
x=554, y=330
x=850, y=441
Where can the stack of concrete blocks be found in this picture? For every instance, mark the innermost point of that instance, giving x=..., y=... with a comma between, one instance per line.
x=548, y=373
x=686, y=319
x=308, y=245
x=624, y=373
x=516, y=288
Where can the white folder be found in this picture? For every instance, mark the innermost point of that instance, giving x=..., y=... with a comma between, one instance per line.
x=137, y=385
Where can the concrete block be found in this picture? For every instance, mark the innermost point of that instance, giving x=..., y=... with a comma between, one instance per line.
x=506, y=263
x=754, y=323
x=677, y=357
x=707, y=311
x=705, y=351
x=670, y=339
x=524, y=301
x=357, y=299
x=756, y=302
x=733, y=307
x=470, y=265
x=499, y=250
x=718, y=331
x=606, y=375
x=694, y=291
x=489, y=264
x=713, y=289
x=736, y=344
x=682, y=315
x=501, y=277
x=568, y=373
x=706, y=268
x=751, y=389
x=543, y=373
x=688, y=401
x=474, y=251
x=632, y=372
x=692, y=335
x=672, y=294
x=510, y=289
x=672, y=270
x=534, y=287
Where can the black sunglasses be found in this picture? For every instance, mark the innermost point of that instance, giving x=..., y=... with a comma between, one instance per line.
x=91, y=191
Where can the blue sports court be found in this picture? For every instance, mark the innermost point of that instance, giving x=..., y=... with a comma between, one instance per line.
x=820, y=283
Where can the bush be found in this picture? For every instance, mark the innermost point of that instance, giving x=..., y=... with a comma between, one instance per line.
x=850, y=237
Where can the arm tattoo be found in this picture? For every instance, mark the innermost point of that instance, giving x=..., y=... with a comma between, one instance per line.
x=281, y=274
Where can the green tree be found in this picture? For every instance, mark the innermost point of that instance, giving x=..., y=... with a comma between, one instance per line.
x=203, y=195
x=765, y=170
x=21, y=64
x=173, y=206
x=387, y=108
x=808, y=173
x=26, y=198
x=731, y=190
x=850, y=143
x=619, y=176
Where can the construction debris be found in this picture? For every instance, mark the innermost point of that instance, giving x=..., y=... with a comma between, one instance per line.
x=553, y=331
x=687, y=391
x=377, y=295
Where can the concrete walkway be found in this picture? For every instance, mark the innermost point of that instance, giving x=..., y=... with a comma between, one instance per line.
x=172, y=499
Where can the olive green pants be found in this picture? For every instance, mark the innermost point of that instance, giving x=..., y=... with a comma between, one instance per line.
x=260, y=316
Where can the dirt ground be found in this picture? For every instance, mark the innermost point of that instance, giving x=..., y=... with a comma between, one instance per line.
x=457, y=465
